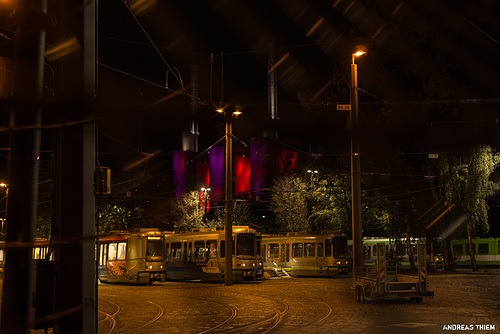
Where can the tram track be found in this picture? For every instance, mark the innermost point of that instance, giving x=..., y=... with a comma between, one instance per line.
x=110, y=317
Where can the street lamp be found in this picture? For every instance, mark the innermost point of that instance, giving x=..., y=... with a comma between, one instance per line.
x=205, y=199
x=228, y=229
x=3, y=220
x=357, y=238
x=312, y=172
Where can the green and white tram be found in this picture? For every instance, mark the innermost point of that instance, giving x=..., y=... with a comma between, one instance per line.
x=486, y=250
x=301, y=254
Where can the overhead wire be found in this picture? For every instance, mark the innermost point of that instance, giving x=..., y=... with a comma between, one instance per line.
x=154, y=45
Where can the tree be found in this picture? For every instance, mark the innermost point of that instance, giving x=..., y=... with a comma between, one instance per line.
x=330, y=204
x=114, y=217
x=288, y=202
x=189, y=212
x=466, y=183
x=241, y=215
x=330, y=207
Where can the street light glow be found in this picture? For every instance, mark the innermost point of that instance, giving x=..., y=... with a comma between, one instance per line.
x=359, y=53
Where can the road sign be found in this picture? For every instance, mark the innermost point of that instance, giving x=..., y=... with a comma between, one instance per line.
x=343, y=107
x=433, y=156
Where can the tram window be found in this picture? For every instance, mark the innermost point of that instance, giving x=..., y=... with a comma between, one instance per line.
x=245, y=244
x=273, y=250
x=328, y=247
x=366, y=252
x=103, y=254
x=282, y=252
x=320, y=249
x=175, y=250
x=482, y=249
x=297, y=249
x=112, y=252
x=458, y=250
x=2, y=256
x=309, y=249
x=212, y=249
x=374, y=249
x=200, y=252
x=287, y=252
x=190, y=252
x=263, y=252
x=122, y=251
x=155, y=247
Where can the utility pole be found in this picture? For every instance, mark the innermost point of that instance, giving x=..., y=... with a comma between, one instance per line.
x=74, y=166
x=357, y=235
x=23, y=166
x=229, y=201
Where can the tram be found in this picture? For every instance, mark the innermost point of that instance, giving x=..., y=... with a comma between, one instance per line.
x=134, y=258
x=397, y=252
x=301, y=254
x=486, y=250
x=200, y=254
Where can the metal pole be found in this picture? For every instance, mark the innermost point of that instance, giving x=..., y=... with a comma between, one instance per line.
x=17, y=296
x=357, y=238
x=229, y=201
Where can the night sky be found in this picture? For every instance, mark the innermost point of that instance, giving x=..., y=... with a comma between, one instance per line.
x=433, y=65
x=429, y=82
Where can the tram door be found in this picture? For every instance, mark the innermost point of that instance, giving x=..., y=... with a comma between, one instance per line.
x=285, y=255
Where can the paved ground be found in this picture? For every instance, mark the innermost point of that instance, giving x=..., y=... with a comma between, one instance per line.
x=297, y=305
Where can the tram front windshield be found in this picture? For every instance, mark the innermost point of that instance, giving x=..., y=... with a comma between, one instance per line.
x=155, y=249
x=245, y=244
x=339, y=247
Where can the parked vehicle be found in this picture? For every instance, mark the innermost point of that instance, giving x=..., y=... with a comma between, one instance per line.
x=301, y=254
x=135, y=258
x=486, y=250
x=200, y=254
x=381, y=283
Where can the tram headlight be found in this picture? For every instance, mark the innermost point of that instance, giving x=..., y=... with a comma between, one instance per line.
x=150, y=267
x=253, y=264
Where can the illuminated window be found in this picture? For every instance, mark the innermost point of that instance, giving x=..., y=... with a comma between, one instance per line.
x=122, y=251
x=175, y=250
x=200, y=251
x=112, y=252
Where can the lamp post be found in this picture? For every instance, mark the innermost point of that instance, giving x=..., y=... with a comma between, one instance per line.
x=312, y=172
x=357, y=237
x=205, y=199
x=228, y=229
x=3, y=220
